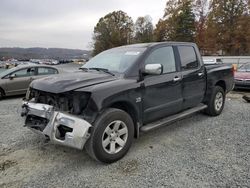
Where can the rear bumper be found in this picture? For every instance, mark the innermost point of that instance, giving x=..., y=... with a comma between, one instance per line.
x=61, y=128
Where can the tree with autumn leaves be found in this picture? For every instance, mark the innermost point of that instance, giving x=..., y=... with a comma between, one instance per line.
x=228, y=27
x=117, y=29
x=114, y=29
x=180, y=21
x=201, y=14
x=143, y=29
x=217, y=26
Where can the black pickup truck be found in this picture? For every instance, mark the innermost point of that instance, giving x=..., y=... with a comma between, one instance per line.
x=122, y=92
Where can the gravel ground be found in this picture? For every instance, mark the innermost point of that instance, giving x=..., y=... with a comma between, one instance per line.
x=200, y=151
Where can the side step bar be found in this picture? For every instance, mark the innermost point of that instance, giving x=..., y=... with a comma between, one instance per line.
x=173, y=118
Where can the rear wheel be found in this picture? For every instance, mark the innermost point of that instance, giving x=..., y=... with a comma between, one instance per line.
x=111, y=137
x=216, y=102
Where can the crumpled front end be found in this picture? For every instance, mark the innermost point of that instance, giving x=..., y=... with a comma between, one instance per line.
x=60, y=127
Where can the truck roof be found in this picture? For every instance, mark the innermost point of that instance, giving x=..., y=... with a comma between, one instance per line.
x=146, y=45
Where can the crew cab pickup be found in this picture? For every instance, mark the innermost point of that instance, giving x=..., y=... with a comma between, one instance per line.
x=122, y=92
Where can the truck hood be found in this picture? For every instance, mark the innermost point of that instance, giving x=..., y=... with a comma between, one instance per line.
x=67, y=82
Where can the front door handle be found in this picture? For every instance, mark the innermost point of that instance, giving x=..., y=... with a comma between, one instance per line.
x=176, y=79
x=200, y=74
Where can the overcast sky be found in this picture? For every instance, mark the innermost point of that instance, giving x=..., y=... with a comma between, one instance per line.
x=63, y=23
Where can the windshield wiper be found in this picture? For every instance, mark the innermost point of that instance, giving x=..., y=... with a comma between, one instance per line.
x=84, y=69
x=103, y=70
x=97, y=69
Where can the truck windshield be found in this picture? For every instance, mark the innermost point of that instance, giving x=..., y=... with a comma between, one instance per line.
x=115, y=60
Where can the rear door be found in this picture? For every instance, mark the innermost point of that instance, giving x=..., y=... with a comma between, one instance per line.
x=193, y=76
x=162, y=93
x=45, y=71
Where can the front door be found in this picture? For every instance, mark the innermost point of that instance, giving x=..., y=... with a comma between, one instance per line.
x=162, y=93
x=18, y=82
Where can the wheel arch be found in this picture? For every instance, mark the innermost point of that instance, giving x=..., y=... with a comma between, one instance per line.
x=1, y=89
x=222, y=84
x=131, y=110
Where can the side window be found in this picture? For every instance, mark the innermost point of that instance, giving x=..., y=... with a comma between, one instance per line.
x=164, y=56
x=46, y=71
x=188, y=57
x=25, y=72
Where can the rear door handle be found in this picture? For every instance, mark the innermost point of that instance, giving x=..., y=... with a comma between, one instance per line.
x=176, y=79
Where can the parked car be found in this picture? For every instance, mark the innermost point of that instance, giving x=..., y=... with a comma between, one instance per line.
x=242, y=77
x=122, y=92
x=15, y=81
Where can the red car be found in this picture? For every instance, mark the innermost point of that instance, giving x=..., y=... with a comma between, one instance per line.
x=242, y=77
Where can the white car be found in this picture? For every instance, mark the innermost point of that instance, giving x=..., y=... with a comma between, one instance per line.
x=212, y=61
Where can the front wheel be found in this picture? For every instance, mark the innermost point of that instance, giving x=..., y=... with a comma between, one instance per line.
x=216, y=101
x=111, y=137
x=1, y=93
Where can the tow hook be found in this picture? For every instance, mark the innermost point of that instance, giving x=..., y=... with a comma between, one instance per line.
x=24, y=110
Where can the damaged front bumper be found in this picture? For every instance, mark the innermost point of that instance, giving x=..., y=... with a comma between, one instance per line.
x=61, y=128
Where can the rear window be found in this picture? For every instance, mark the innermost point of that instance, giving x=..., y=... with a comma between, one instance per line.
x=46, y=71
x=188, y=57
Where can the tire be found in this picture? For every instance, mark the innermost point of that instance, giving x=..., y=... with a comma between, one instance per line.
x=1, y=94
x=216, y=101
x=111, y=136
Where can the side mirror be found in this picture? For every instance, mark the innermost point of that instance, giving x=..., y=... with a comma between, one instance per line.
x=153, y=69
x=12, y=76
